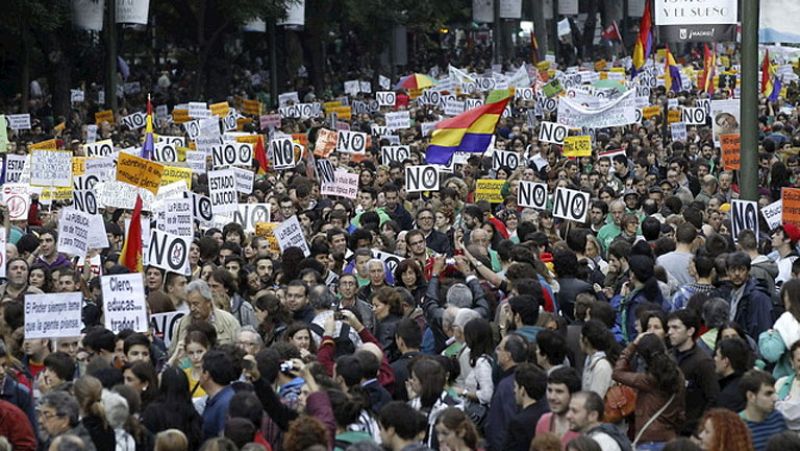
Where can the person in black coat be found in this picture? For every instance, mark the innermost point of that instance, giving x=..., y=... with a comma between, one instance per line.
x=173, y=408
x=565, y=264
x=408, y=338
x=530, y=385
x=731, y=359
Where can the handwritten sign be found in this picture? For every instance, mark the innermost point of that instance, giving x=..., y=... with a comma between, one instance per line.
x=139, y=172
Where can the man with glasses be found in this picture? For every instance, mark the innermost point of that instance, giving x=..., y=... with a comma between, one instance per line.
x=58, y=414
x=201, y=308
x=418, y=250
x=435, y=240
x=348, y=290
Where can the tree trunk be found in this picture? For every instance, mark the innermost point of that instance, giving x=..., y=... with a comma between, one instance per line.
x=25, y=73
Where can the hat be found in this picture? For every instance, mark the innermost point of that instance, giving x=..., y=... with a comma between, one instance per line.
x=655, y=189
x=792, y=231
x=724, y=208
x=630, y=192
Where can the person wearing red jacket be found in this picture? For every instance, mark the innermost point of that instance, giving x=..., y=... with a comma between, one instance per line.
x=16, y=428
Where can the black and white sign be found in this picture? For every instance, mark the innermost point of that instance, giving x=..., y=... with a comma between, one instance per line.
x=524, y=94
x=351, y=142
x=169, y=252
x=505, y=158
x=231, y=153
x=571, y=204
x=282, y=154
x=13, y=167
x=532, y=194
x=165, y=325
x=386, y=98
x=398, y=120
x=550, y=132
x=422, y=178
x=73, y=232
x=744, y=216
x=177, y=141
x=19, y=121
x=135, y=121
x=244, y=180
x=390, y=154
x=51, y=168
x=325, y=171
x=53, y=315
x=693, y=116
x=124, y=302
x=248, y=215
x=102, y=148
x=222, y=191
x=176, y=217
x=165, y=153
x=85, y=200
x=202, y=211
x=290, y=234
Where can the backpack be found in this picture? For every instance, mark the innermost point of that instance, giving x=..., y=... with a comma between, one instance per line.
x=614, y=432
x=344, y=345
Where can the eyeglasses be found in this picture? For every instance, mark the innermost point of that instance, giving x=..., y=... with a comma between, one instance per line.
x=416, y=243
x=47, y=415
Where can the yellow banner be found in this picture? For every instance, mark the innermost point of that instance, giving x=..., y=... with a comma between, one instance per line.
x=673, y=116
x=329, y=106
x=251, y=107
x=104, y=116
x=61, y=194
x=343, y=112
x=651, y=111
x=220, y=109
x=78, y=166
x=180, y=116
x=578, y=146
x=489, y=190
x=139, y=172
x=50, y=144
x=173, y=174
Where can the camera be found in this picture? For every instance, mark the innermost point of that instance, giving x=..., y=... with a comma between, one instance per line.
x=286, y=367
x=338, y=316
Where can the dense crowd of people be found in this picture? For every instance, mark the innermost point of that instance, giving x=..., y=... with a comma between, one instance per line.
x=649, y=326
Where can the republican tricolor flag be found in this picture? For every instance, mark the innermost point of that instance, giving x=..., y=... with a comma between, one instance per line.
x=148, y=148
x=672, y=73
x=644, y=42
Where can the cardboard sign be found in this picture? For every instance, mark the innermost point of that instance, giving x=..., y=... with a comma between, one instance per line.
x=85, y=200
x=650, y=112
x=17, y=198
x=196, y=161
x=744, y=216
x=165, y=152
x=422, y=178
x=54, y=315
x=51, y=168
x=790, y=198
x=532, y=194
x=222, y=191
x=673, y=116
x=139, y=172
x=124, y=302
x=120, y=195
x=270, y=122
x=169, y=252
x=13, y=168
x=73, y=232
x=399, y=120
x=202, y=210
x=174, y=174
x=135, y=121
x=345, y=184
x=290, y=234
x=220, y=109
x=176, y=217
x=505, y=158
x=386, y=98
x=232, y=154
x=244, y=180
x=164, y=325
x=104, y=148
x=553, y=133
x=326, y=143
x=248, y=215
x=731, y=155
x=104, y=116
x=694, y=116
x=351, y=142
x=489, y=190
x=772, y=214
x=283, y=153
x=571, y=204
x=577, y=146
x=391, y=154
x=678, y=131
x=19, y=121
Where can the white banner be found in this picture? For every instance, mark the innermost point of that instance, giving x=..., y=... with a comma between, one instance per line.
x=51, y=168
x=290, y=234
x=53, y=315
x=176, y=217
x=345, y=184
x=571, y=204
x=616, y=113
x=124, y=302
x=690, y=12
x=73, y=232
x=19, y=121
x=778, y=21
x=398, y=120
x=773, y=214
x=164, y=325
x=132, y=11
x=88, y=14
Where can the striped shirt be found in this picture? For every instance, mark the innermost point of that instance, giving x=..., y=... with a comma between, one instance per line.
x=762, y=430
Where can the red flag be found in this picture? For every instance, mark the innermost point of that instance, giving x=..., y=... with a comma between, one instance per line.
x=534, y=49
x=131, y=254
x=261, y=156
x=611, y=33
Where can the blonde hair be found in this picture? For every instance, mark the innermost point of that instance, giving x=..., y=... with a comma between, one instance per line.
x=89, y=393
x=171, y=440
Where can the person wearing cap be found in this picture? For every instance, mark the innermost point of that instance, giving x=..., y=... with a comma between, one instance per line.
x=784, y=242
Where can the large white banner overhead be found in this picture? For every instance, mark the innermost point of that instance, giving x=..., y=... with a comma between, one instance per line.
x=615, y=113
x=510, y=9
x=132, y=11
x=295, y=14
x=692, y=21
x=778, y=21
x=482, y=11
x=88, y=14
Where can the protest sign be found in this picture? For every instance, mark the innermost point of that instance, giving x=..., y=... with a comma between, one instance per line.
x=100, y=168
x=345, y=184
x=693, y=116
x=551, y=132
x=502, y=158
x=13, y=168
x=175, y=217
x=222, y=191
x=725, y=115
x=19, y=121
x=85, y=200
x=248, y=215
x=48, y=144
x=244, y=180
x=270, y=122
x=399, y=120
x=678, y=131
x=97, y=233
x=571, y=204
x=325, y=171
x=231, y=153
x=532, y=194
x=73, y=232
x=76, y=96
x=489, y=190
x=124, y=302
x=351, y=142
x=386, y=98
x=283, y=154
x=173, y=174
x=288, y=98
x=552, y=88
x=744, y=216
x=422, y=178
x=390, y=261
x=391, y=154
x=169, y=252
x=731, y=156
x=134, y=121
x=53, y=315
x=577, y=146
x=51, y=168
x=104, y=148
x=290, y=234
x=614, y=113
x=196, y=161
x=790, y=198
x=120, y=195
x=772, y=214
x=219, y=109
x=165, y=325
x=165, y=152
x=454, y=108
x=139, y=172
x=202, y=210
x=104, y=116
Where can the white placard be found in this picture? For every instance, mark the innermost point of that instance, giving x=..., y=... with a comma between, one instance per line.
x=614, y=113
x=124, y=302
x=196, y=161
x=13, y=167
x=19, y=121
x=85, y=200
x=532, y=194
x=73, y=232
x=97, y=233
x=104, y=148
x=351, y=142
x=422, y=178
x=164, y=325
x=53, y=315
x=51, y=168
x=345, y=185
x=290, y=234
x=694, y=116
x=202, y=210
x=550, y=132
x=232, y=153
x=76, y=96
x=135, y=121
x=386, y=98
x=744, y=216
x=244, y=180
x=176, y=217
x=505, y=158
x=120, y=195
x=288, y=98
x=454, y=107
x=248, y=215
x=689, y=12
x=88, y=14
x=165, y=153
x=398, y=120
x=679, y=132
x=571, y=204
x=773, y=214
x=282, y=154
x=132, y=11
x=391, y=154
x=169, y=252
x=222, y=191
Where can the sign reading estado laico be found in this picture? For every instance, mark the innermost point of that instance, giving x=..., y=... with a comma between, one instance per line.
x=696, y=21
